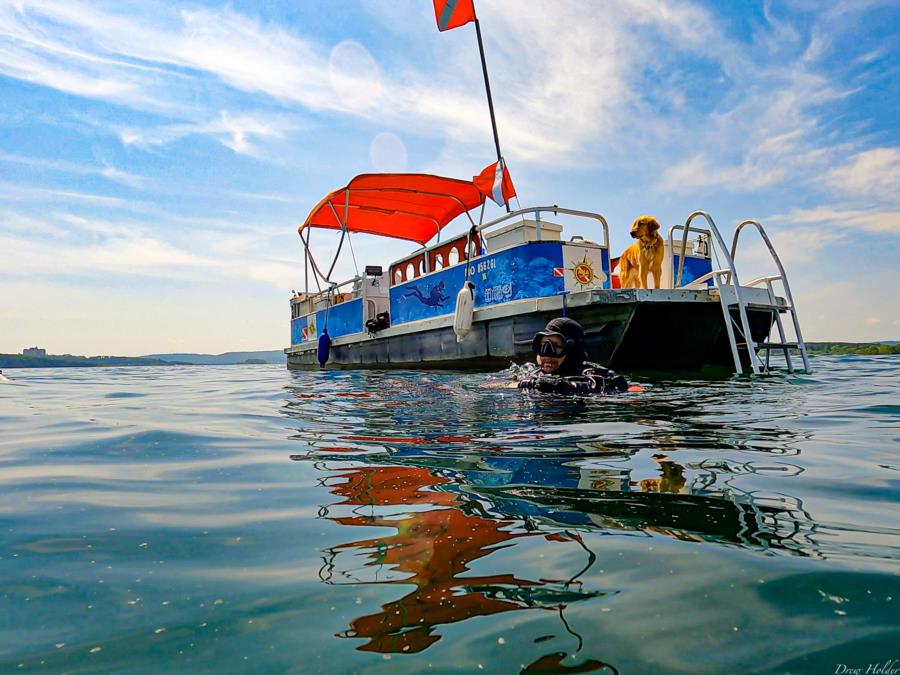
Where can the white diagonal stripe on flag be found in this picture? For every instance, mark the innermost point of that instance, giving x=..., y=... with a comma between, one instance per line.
x=446, y=14
x=497, y=188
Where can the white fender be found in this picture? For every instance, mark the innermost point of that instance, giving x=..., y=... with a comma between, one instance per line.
x=465, y=306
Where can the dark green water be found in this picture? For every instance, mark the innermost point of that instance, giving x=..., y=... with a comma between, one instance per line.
x=248, y=519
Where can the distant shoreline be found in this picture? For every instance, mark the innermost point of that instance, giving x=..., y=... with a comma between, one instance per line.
x=277, y=357
x=74, y=361
x=860, y=348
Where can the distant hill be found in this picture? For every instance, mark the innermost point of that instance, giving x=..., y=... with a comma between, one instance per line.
x=70, y=361
x=226, y=359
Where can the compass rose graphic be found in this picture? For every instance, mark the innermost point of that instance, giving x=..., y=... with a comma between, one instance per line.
x=584, y=273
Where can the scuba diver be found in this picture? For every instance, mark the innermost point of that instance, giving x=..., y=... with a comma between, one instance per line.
x=561, y=366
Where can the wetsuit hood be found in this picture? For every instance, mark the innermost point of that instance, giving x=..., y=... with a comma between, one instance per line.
x=573, y=333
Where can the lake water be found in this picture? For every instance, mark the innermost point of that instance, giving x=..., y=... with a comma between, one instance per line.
x=228, y=519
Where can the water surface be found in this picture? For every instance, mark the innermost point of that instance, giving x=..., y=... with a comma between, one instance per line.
x=250, y=518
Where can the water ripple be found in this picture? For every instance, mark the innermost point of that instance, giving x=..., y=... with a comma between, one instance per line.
x=197, y=518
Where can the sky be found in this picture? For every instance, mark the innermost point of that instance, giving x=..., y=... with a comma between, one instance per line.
x=156, y=158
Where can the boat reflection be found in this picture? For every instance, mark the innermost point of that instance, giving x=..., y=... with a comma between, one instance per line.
x=445, y=516
x=432, y=550
x=469, y=499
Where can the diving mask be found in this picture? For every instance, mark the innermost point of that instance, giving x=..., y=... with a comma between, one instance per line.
x=547, y=347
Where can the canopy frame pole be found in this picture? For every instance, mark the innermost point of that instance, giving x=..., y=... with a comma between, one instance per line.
x=316, y=272
x=487, y=87
x=305, y=264
x=349, y=238
x=336, y=254
x=352, y=254
x=343, y=232
x=346, y=208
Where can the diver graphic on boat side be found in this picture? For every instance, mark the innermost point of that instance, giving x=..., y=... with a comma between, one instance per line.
x=436, y=298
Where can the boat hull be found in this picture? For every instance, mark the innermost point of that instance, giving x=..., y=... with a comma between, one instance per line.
x=625, y=329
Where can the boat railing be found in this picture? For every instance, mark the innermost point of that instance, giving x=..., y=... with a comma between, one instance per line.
x=471, y=244
x=331, y=293
x=555, y=210
x=682, y=251
x=759, y=281
x=729, y=260
x=436, y=257
x=700, y=282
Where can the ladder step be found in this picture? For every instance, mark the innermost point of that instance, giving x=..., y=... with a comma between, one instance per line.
x=759, y=306
x=778, y=345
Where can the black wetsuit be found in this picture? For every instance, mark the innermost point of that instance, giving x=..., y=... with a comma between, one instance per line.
x=594, y=379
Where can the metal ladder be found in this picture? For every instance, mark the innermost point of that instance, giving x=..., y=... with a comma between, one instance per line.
x=777, y=308
x=730, y=293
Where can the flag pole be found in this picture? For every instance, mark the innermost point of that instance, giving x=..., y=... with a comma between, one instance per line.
x=487, y=87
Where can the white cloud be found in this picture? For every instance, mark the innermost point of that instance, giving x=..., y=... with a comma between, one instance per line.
x=872, y=220
x=558, y=95
x=15, y=192
x=771, y=135
x=795, y=245
x=871, y=173
x=93, y=248
x=25, y=225
x=108, y=172
x=236, y=132
x=123, y=177
x=571, y=80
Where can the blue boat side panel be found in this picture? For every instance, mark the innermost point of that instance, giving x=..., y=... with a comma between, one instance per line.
x=514, y=274
x=298, y=330
x=694, y=268
x=428, y=296
x=343, y=319
x=517, y=273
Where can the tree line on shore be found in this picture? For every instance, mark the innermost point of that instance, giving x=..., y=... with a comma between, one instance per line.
x=864, y=348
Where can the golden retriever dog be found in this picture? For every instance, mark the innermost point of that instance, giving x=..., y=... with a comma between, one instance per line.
x=644, y=256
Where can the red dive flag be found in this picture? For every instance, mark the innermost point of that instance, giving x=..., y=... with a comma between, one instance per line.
x=494, y=182
x=453, y=13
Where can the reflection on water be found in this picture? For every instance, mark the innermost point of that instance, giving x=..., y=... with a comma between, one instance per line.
x=473, y=473
x=432, y=550
x=225, y=519
x=453, y=510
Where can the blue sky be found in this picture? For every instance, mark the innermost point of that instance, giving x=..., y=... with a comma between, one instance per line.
x=156, y=158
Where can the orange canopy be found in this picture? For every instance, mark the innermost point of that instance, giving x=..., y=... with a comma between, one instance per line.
x=411, y=206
